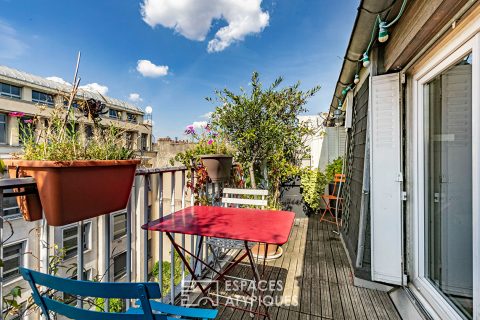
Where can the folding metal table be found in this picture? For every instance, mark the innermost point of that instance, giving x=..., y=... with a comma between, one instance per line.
x=248, y=225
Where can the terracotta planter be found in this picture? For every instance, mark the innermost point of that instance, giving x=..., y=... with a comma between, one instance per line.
x=219, y=166
x=72, y=191
x=273, y=252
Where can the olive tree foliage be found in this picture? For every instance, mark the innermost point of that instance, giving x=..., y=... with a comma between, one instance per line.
x=263, y=127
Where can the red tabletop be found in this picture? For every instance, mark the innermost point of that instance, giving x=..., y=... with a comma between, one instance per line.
x=267, y=226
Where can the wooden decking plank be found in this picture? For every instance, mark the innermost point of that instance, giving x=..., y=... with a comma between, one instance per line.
x=377, y=304
x=347, y=304
x=358, y=308
x=388, y=305
x=337, y=307
x=367, y=303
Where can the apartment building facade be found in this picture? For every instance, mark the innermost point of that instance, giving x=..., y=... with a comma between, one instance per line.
x=23, y=96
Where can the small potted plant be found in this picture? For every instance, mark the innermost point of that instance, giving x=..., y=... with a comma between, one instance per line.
x=214, y=153
x=80, y=171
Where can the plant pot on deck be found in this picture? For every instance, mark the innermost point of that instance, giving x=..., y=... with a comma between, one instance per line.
x=218, y=166
x=71, y=191
x=273, y=251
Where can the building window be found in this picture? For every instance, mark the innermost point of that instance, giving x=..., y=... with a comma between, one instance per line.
x=3, y=128
x=71, y=299
x=7, y=90
x=144, y=141
x=69, y=240
x=131, y=118
x=12, y=260
x=119, y=266
x=114, y=114
x=43, y=98
x=119, y=225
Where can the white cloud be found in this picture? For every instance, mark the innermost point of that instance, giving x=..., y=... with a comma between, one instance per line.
x=207, y=115
x=193, y=19
x=95, y=87
x=11, y=46
x=148, y=69
x=197, y=125
x=58, y=80
x=135, y=97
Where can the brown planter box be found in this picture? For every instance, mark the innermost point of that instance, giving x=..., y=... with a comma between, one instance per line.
x=71, y=191
x=219, y=166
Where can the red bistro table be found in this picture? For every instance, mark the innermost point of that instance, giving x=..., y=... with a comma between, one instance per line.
x=248, y=225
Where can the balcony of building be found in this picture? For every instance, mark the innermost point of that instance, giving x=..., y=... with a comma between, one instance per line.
x=314, y=271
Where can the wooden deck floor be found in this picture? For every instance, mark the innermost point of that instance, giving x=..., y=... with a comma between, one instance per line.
x=314, y=270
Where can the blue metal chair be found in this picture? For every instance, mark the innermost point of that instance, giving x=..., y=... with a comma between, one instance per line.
x=142, y=292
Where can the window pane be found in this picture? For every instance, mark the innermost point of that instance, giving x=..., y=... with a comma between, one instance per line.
x=15, y=91
x=448, y=102
x=119, y=225
x=12, y=259
x=119, y=266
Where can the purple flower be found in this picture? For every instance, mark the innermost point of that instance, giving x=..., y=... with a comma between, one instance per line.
x=28, y=120
x=207, y=127
x=16, y=114
x=214, y=134
x=210, y=141
x=189, y=130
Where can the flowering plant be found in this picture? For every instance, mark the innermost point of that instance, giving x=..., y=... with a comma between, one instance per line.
x=208, y=140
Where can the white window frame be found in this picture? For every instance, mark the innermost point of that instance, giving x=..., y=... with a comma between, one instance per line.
x=6, y=129
x=113, y=266
x=44, y=102
x=113, y=225
x=88, y=227
x=23, y=243
x=445, y=58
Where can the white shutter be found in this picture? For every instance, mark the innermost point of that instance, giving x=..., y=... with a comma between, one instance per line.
x=348, y=110
x=386, y=177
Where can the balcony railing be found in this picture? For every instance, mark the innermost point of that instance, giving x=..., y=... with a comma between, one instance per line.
x=156, y=193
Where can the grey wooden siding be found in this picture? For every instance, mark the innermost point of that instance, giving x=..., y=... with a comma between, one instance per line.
x=353, y=186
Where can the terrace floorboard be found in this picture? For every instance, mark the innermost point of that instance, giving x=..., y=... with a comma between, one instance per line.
x=314, y=271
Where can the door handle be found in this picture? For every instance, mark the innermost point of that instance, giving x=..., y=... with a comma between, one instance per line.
x=436, y=197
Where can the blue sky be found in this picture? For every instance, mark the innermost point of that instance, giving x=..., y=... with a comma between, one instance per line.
x=206, y=45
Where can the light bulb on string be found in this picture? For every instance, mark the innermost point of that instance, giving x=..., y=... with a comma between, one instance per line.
x=382, y=32
x=356, y=80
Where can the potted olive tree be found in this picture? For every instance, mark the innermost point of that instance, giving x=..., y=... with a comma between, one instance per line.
x=78, y=175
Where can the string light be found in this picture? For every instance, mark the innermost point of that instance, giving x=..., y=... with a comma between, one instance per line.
x=346, y=89
x=365, y=60
x=382, y=32
x=356, y=80
x=383, y=26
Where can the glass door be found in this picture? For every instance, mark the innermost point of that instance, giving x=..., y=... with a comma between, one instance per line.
x=448, y=184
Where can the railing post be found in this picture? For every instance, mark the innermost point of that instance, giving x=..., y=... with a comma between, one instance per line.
x=145, y=221
x=106, y=237
x=80, y=259
x=160, y=234
x=129, y=242
x=172, y=250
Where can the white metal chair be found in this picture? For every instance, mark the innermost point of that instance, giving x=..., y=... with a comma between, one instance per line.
x=233, y=197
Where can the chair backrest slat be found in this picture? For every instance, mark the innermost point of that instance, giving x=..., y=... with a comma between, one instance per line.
x=92, y=289
x=252, y=202
x=77, y=313
x=248, y=197
x=253, y=192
